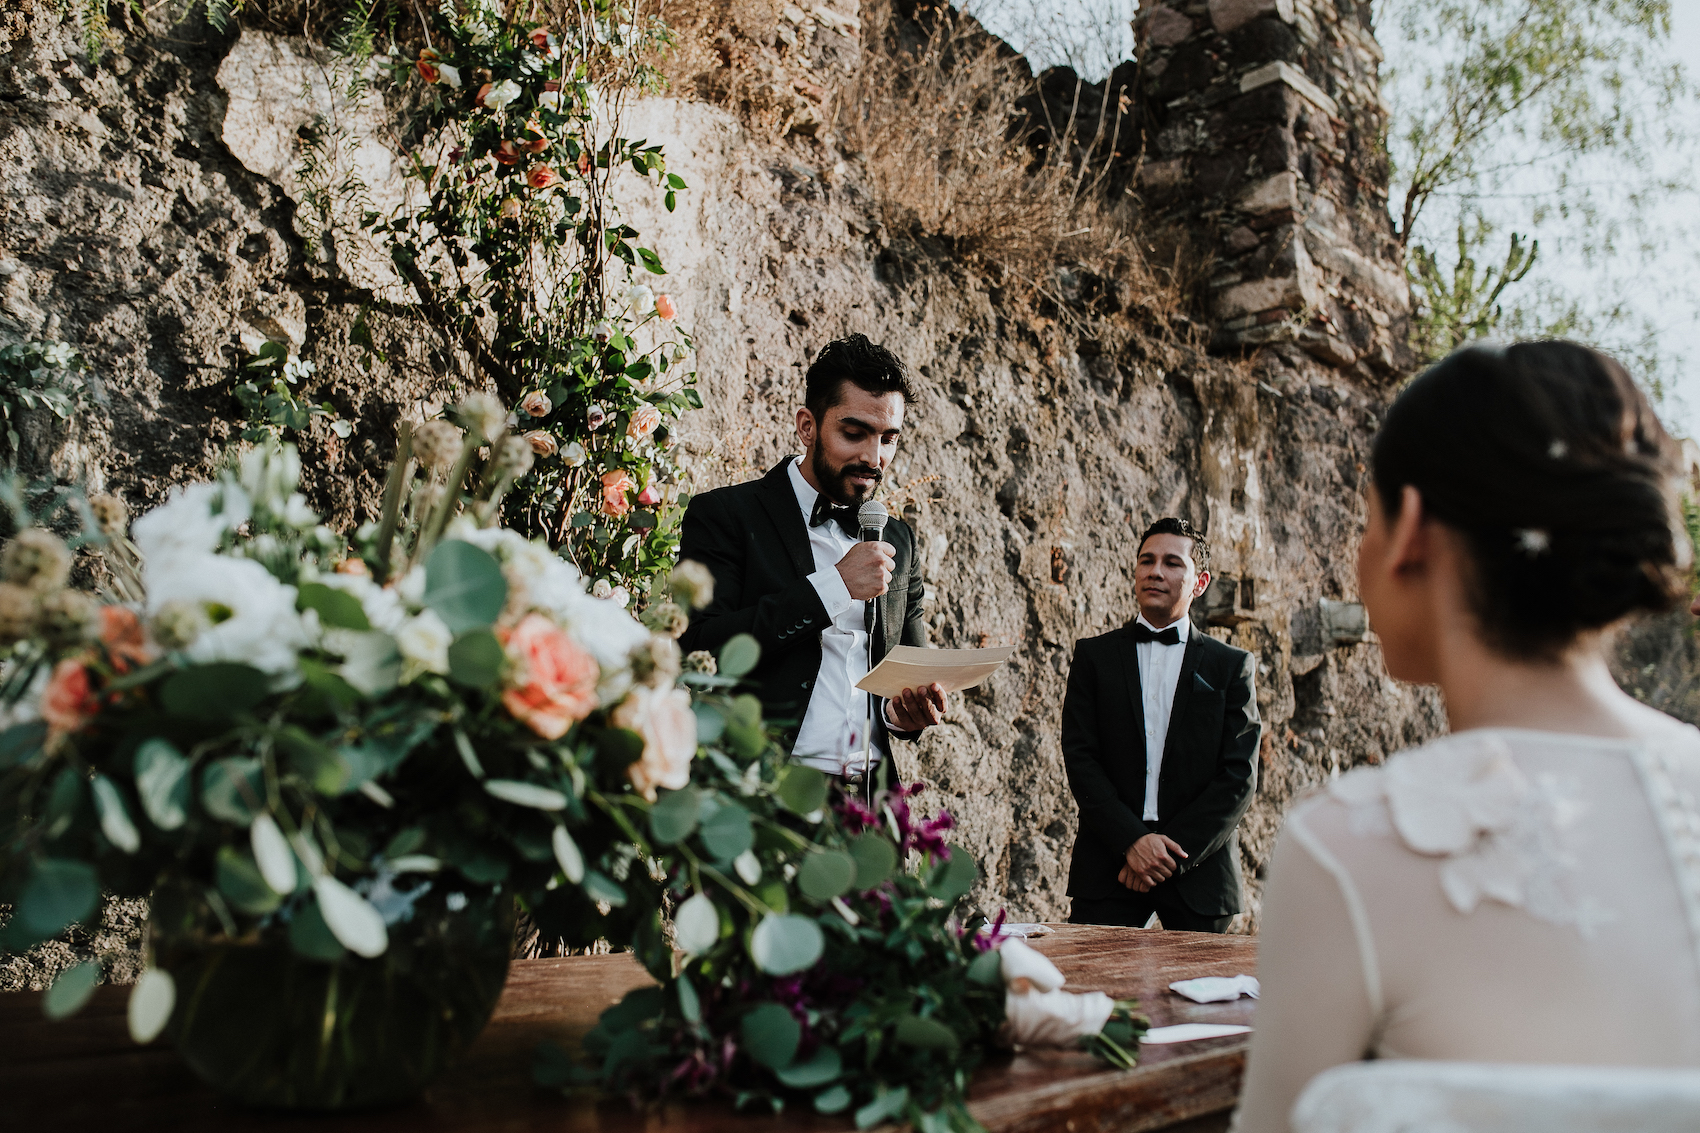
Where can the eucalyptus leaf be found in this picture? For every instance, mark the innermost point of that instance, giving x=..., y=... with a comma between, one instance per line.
x=771, y=1034
x=802, y=789
x=952, y=878
x=310, y=937
x=925, y=1033
x=986, y=969
x=214, y=692
x=357, y=926
x=231, y=790
x=336, y=608
x=272, y=854
x=825, y=1066
x=464, y=585
x=162, y=781
x=58, y=894
x=598, y=886
x=690, y=1004
x=21, y=742
x=521, y=793
x=71, y=990
x=739, y=655
x=567, y=854
x=833, y=1099
x=115, y=820
x=826, y=874
x=875, y=856
x=782, y=944
x=883, y=1108
x=476, y=658
x=238, y=878
x=674, y=815
x=728, y=832
x=696, y=926
x=151, y=1003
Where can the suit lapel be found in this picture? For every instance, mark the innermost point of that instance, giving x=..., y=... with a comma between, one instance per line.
x=1135, y=702
x=1183, y=694
x=781, y=504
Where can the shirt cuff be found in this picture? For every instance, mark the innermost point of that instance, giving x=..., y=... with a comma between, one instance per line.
x=834, y=595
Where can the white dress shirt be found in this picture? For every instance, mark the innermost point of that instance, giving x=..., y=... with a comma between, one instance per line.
x=835, y=726
x=1159, y=673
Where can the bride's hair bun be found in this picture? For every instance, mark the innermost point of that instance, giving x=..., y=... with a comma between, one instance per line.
x=1549, y=460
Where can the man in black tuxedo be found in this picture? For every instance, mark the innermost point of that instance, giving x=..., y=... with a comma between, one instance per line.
x=790, y=570
x=1160, y=736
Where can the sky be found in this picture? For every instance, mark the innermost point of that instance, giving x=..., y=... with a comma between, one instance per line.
x=1659, y=282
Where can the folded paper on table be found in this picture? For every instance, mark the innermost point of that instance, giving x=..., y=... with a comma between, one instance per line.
x=1190, y=1032
x=909, y=666
x=1216, y=989
x=1013, y=928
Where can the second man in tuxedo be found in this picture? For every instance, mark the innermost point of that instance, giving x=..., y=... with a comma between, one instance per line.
x=790, y=570
x=1160, y=736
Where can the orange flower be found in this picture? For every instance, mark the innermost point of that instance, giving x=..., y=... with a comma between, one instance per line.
x=428, y=66
x=554, y=682
x=665, y=308
x=542, y=177
x=615, y=485
x=68, y=702
x=508, y=153
x=121, y=633
x=584, y=164
x=354, y=565
x=540, y=38
x=538, y=141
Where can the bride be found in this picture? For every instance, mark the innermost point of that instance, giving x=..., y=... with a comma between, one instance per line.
x=1526, y=889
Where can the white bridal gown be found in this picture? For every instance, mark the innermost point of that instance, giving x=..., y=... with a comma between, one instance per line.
x=1500, y=895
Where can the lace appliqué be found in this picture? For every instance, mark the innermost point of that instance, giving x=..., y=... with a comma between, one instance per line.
x=1501, y=833
x=1678, y=815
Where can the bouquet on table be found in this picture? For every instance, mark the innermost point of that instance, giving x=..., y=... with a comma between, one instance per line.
x=335, y=773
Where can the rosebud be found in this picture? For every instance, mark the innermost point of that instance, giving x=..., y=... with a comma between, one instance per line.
x=542, y=443
x=427, y=65
x=584, y=165
x=602, y=588
x=538, y=141
x=649, y=497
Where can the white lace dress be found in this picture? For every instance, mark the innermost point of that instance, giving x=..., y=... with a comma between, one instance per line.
x=1499, y=895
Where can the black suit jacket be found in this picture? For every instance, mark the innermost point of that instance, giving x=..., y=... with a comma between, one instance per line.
x=1208, y=776
x=754, y=540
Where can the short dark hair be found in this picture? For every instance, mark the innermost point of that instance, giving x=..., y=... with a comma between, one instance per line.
x=1549, y=461
x=858, y=361
x=1170, y=525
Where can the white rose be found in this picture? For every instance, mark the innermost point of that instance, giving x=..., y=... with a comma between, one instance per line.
x=297, y=512
x=1055, y=1018
x=252, y=615
x=410, y=587
x=449, y=75
x=574, y=455
x=620, y=596
x=664, y=719
x=641, y=298
x=501, y=94
x=602, y=589
x=424, y=643
x=188, y=523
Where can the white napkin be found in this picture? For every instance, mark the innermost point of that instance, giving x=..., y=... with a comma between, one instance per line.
x=1187, y=1032
x=1216, y=989
x=1026, y=930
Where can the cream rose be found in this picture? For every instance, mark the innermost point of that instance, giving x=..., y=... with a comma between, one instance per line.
x=664, y=719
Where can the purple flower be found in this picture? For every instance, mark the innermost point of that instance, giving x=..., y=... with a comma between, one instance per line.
x=990, y=935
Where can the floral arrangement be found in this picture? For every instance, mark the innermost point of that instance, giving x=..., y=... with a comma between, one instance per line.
x=514, y=239
x=322, y=753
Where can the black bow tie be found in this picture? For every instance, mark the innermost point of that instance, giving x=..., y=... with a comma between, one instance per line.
x=1143, y=634
x=826, y=511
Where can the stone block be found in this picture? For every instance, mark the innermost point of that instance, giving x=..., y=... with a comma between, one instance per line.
x=1230, y=15
x=1290, y=75
x=1167, y=27
x=1242, y=240
x=1278, y=192
x=1259, y=295
x=1161, y=178
x=1343, y=623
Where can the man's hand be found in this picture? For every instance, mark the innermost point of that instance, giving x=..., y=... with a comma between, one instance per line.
x=1150, y=861
x=866, y=570
x=916, y=708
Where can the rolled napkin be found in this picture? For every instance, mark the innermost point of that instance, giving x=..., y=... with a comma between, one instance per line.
x=1055, y=1018
x=1024, y=969
x=1216, y=989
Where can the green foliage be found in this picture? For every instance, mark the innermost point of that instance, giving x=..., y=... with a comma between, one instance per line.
x=271, y=401
x=38, y=375
x=1508, y=114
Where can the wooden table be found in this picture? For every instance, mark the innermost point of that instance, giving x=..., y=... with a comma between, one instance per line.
x=86, y=1074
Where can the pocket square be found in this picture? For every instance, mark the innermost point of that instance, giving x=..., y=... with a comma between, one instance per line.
x=1199, y=684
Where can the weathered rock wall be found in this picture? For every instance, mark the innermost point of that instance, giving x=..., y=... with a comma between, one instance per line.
x=1043, y=440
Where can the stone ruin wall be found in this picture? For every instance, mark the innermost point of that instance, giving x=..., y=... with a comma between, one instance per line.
x=150, y=217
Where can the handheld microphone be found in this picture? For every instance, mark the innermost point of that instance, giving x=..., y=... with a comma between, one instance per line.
x=872, y=516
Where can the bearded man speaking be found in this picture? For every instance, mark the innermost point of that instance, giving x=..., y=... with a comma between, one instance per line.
x=791, y=571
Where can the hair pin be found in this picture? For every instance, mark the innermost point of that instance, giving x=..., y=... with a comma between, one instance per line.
x=1532, y=541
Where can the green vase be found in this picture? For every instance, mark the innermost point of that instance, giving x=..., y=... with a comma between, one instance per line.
x=268, y=1026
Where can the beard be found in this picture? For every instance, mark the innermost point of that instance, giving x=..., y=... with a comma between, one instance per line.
x=835, y=481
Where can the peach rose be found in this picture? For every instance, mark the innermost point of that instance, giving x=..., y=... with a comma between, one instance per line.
x=354, y=565
x=663, y=717
x=542, y=177
x=536, y=404
x=538, y=141
x=644, y=420
x=584, y=165
x=615, y=485
x=510, y=209
x=542, y=443
x=665, y=308
x=121, y=633
x=508, y=152
x=650, y=496
x=541, y=39
x=554, y=680
x=68, y=702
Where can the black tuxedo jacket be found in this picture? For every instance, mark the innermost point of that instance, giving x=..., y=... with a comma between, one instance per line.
x=754, y=540
x=1208, y=776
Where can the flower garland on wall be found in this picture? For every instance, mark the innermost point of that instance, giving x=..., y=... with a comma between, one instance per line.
x=515, y=240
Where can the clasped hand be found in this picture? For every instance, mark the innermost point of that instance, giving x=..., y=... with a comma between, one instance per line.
x=1150, y=860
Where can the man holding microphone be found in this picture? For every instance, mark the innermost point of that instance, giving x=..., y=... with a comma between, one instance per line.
x=792, y=570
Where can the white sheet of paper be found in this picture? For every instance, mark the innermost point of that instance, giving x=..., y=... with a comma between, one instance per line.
x=1217, y=989
x=909, y=666
x=1189, y=1032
